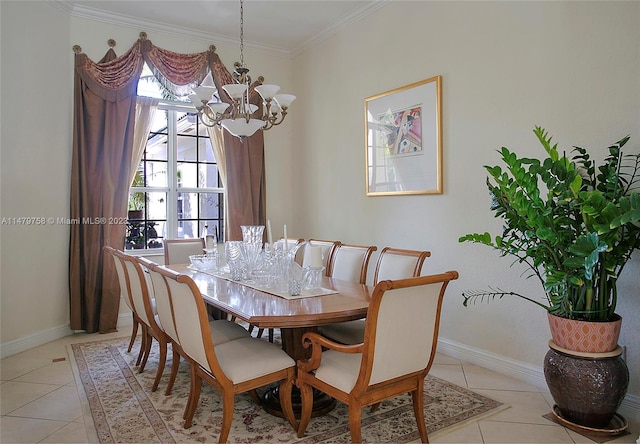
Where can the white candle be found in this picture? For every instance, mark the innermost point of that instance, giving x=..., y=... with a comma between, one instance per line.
x=269, y=237
x=315, y=260
x=286, y=243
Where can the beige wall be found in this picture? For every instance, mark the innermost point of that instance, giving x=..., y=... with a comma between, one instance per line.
x=572, y=67
x=37, y=78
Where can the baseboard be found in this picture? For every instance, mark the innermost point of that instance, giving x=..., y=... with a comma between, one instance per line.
x=522, y=371
x=42, y=337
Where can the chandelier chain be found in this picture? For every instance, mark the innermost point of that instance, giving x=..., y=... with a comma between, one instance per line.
x=242, y=33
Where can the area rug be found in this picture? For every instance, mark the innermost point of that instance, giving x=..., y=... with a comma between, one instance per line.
x=120, y=406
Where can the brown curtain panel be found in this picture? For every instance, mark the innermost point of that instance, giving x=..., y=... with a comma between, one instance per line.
x=103, y=138
x=104, y=113
x=244, y=164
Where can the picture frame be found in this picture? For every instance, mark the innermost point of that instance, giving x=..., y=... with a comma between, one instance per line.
x=403, y=140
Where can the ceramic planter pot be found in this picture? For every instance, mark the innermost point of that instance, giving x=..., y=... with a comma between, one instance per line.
x=585, y=336
x=587, y=388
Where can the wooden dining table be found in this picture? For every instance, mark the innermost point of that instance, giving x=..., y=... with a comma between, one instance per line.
x=294, y=317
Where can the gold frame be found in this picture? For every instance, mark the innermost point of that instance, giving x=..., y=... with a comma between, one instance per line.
x=403, y=140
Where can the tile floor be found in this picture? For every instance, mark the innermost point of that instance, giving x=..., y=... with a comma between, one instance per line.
x=39, y=402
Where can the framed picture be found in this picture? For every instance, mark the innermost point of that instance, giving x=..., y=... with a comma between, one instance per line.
x=403, y=137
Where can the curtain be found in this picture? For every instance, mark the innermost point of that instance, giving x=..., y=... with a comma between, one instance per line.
x=104, y=114
x=145, y=112
x=106, y=153
x=217, y=144
x=243, y=164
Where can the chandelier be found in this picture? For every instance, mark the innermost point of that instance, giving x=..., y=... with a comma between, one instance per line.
x=238, y=117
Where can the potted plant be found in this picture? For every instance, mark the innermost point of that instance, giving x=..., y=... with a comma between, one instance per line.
x=136, y=199
x=574, y=225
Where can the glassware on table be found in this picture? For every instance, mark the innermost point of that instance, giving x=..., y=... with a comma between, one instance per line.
x=313, y=278
x=233, y=255
x=252, y=233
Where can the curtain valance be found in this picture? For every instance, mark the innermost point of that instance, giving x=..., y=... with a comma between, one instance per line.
x=115, y=78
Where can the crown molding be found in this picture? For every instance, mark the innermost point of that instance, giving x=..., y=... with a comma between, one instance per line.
x=341, y=24
x=98, y=15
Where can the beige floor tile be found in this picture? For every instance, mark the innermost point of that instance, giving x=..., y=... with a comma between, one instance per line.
x=17, y=394
x=62, y=404
x=53, y=373
x=445, y=360
x=27, y=430
x=467, y=434
x=509, y=432
x=451, y=373
x=525, y=407
x=481, y=378
x=74, y=432
x=18, y=365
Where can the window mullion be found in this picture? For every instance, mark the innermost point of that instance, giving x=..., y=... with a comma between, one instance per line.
x=172, y=179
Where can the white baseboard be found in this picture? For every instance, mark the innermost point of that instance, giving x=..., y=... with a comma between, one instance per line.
x=42, y=337
x=522, y=371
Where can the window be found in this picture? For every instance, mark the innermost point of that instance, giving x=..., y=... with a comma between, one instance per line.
x=176, y=191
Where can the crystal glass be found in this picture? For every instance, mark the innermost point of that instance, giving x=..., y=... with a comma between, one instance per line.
x=252, y=233
x=233, y=255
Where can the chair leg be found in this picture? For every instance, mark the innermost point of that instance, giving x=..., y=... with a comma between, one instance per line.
x=174, y=371
x=227, y=415
x=260, y=332
x=271, y=332
x=286, y=402
x=418, y=410
x=134, y=333
x=147, y=351
x=306, y=395
x=355, y=416
x=255, y=397
x=143, y=342
x=162, y=361
x=192, y=404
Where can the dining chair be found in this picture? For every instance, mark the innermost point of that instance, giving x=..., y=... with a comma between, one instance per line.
x=233, y=367
x=177, y=251
x=393, y=263
x=350, y=262
x=124, y=294
x=327, y=250
x=142, y=297
x=221, y=330
x=401, y=335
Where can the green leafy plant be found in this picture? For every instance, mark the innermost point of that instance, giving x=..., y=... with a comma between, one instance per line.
x=137, y=199
x=574, y=225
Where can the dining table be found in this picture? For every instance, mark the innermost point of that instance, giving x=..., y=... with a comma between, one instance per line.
x=341, y=301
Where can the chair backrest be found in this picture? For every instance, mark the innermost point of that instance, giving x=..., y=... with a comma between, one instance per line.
x=395, y=263
x=122, y=277
x=401, y=328
x=291, y=242
x=177, y=251
x=327, y=250
x=139, y=290
x=161, y=295
x=350, y=262
x=192, y=323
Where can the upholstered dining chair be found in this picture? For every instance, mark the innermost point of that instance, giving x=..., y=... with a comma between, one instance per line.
x=327, y=251
x=393, y=263
x=401, y=334
x=221, y=330
x=350, y=262
x=177, y=251
x=144, y=304
x=124, y=294
x=238, y=366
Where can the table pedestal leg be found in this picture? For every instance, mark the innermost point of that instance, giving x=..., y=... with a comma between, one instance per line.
x=292, y=344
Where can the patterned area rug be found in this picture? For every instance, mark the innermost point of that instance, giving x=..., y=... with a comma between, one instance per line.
x=124, y=409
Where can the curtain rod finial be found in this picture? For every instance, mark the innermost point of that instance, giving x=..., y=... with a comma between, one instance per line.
x=143, y=35
x=111, y=43
x=76, y=49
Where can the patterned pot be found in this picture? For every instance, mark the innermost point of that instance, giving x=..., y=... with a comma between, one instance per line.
x=585, y=336
x=588, y=388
